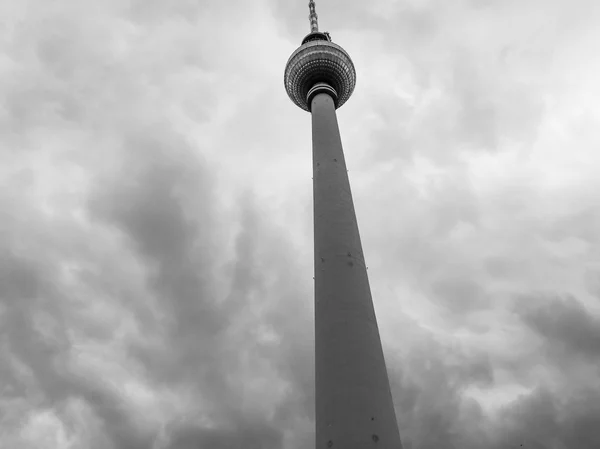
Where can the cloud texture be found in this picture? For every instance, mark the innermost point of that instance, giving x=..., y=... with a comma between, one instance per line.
x=156, y=221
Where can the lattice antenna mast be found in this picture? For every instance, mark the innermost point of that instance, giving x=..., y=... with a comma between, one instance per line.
x=314, y=23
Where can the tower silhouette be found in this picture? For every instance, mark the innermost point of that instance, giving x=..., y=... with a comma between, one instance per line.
x=353, y=405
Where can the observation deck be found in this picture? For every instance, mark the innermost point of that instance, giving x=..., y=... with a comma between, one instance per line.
x=318, y=60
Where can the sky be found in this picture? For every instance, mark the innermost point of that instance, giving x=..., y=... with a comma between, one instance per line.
x=156, y=220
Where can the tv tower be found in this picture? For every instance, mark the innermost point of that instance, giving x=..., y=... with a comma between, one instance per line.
x=354, y=407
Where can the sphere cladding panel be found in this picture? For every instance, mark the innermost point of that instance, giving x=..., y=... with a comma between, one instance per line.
x=319, y=61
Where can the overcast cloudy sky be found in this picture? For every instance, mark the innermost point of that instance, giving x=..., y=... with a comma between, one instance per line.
x=156, y=220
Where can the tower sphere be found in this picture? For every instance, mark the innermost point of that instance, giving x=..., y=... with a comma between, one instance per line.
x=318, y=60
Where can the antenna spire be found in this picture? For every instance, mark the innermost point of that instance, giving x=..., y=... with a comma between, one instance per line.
x=314, y=24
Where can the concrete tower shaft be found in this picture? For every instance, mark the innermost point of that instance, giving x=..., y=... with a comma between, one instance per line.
x=354, y=407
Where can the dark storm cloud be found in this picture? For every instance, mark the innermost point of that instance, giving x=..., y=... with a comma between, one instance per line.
x=251, y=435
x=564, y=323
x=433, y=412
x=146, y=202
x=205, y=331
x=147, y=199
x=144, y=192
x=460, y=294
x=27, y=289
x=149, y=207
x=428, y=386
x=543, y=419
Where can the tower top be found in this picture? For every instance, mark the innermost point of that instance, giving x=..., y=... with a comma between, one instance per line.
x=314, y=23
x=318, y=63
